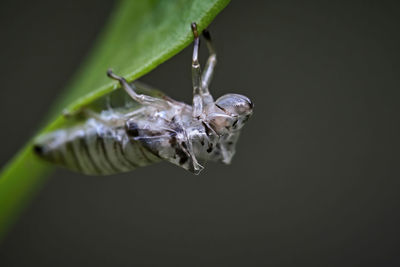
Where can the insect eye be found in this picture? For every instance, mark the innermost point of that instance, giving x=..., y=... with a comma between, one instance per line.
x=235, y=105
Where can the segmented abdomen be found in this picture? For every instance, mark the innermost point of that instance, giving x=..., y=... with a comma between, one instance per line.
x=94, y=149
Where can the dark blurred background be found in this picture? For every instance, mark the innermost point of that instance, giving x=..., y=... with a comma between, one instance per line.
x=315, y=181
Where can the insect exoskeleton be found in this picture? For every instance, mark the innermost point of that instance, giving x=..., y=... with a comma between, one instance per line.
x=139, y=126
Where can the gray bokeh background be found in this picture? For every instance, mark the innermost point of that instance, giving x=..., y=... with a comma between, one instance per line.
x=316, y=178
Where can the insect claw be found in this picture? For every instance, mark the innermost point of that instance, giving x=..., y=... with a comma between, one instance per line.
x=67, y=114
x=206, y=34
x=194, y=30
x=111, y=74
x=115, y=77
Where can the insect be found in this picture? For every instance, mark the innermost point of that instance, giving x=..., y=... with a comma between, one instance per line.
x=151, y=127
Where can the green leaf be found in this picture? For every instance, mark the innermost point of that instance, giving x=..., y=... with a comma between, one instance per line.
x=139, y=36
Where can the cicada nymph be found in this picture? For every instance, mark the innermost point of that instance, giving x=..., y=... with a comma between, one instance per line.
x=149, y=127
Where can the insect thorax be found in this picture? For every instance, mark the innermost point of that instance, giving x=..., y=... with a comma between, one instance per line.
x=174, y=135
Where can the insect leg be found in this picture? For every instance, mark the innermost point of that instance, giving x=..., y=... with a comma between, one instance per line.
x=211, y=62
x=85, y=113
x=196, y=74
x=112, y=122
x=197, y=167
x=75, y=114
x=202, y=99
x=142, y=99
